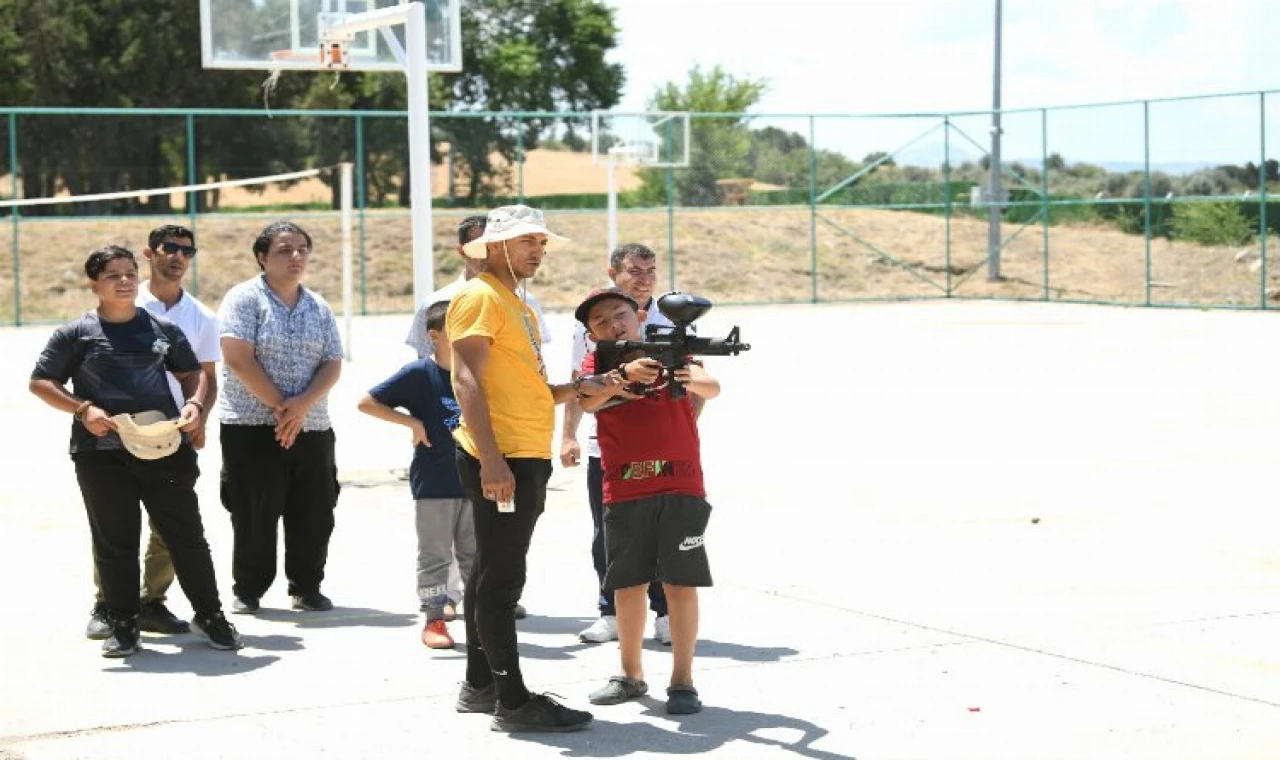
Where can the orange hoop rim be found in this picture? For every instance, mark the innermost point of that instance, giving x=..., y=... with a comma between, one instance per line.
x=325, y=56
x=295, y=56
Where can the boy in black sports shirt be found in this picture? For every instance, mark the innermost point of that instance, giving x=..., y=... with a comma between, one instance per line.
x=116, y=357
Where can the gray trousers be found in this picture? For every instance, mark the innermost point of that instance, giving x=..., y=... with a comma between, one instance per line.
x=157, y=571
x=445, y=532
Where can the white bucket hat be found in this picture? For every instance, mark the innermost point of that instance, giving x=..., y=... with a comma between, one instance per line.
x=508, y=223
x=148, y=435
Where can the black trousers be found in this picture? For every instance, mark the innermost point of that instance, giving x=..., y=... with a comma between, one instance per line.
x=498, y=575
x=113, y=483
x=595, y=494
x=263, y=482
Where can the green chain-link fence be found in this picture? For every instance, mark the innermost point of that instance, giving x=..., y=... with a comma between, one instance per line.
x=1162, y=202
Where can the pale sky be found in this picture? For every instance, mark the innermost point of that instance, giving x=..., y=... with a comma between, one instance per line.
x=896, y=56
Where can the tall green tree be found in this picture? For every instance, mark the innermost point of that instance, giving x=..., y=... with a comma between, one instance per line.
x=518, y=55
x=719, y=148
x=526, y=55
x=115, y=54
x=779, y=157
x=123, y=54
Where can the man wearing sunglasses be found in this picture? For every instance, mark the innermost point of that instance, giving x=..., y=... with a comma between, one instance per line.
x=169, y=253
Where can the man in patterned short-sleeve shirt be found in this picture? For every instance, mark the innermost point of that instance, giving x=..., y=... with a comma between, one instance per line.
x=282, y=354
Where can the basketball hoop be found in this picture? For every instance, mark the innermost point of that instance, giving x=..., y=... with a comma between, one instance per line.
x=634, y=153
x=331, y=56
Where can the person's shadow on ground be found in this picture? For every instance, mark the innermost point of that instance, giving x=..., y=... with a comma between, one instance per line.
x=338, y=617
x=545, y=624
x=196, y=657
x=709, y=730
x=739, y=652
x=706, y=647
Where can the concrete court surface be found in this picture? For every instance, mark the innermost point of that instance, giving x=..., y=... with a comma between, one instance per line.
x=882, y=590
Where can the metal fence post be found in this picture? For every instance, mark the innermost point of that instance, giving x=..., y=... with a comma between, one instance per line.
x=946, y=189
x=14, y=215
x=671, y=218
x=520, y=159
x=360, y=203
x=1044, y=191
x=671, y=228
x=1146, y=181
x=813, y=212
x=191, y=198
x=1262, y=191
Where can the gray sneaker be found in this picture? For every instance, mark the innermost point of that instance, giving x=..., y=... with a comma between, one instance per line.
x=123, y=640
x=218, y=631
x=99, y=627
x=540, y=714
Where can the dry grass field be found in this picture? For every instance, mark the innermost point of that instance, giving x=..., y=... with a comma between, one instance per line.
x=728, y=254
x=738, y=255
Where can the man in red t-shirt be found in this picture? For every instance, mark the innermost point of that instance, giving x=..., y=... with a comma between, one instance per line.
x=655, y=503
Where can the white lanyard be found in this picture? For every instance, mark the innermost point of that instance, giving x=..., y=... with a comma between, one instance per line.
x=534, y=343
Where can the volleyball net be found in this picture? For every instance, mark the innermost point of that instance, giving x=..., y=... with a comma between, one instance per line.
x=57, y=232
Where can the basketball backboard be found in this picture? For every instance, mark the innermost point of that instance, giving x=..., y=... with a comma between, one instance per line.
x=653, y=138
x=285, y=35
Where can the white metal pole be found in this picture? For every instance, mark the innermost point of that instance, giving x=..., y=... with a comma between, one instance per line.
x=995, y=188
x=419, y=153
x=347, y=171
x=613, y=207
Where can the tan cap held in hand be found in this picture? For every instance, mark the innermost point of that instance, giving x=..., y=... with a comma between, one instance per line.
x=148, y=435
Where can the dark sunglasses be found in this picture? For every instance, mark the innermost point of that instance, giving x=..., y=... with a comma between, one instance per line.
x=172, y=248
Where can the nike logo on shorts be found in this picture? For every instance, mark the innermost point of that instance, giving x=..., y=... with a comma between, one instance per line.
x=690, y=543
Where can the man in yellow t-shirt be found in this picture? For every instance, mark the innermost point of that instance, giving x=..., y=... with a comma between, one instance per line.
x=504, y=461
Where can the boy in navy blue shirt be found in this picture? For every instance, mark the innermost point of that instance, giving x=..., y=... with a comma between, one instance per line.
x=443, y=515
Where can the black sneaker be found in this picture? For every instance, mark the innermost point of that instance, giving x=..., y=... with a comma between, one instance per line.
x=123, y=640
x=154, y=617
x=541, y=713
x=312, y=602
x=477, y=700
x=218, y=631
x=244, y=606
x=99, y=626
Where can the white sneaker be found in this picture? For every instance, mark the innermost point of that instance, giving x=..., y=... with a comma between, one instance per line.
x=662, y=630
x=604, y=629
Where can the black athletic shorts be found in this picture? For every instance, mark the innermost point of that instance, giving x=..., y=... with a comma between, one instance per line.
x=659, y=538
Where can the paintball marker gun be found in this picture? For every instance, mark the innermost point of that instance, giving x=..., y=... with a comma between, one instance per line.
x=672, y=346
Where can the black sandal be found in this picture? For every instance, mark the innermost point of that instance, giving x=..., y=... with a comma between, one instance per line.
x=682, y=700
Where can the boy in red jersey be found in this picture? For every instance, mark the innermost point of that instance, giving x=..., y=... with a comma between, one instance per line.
x=655, y=502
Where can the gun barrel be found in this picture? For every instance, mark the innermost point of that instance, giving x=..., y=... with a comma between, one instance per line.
x=719, y=347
